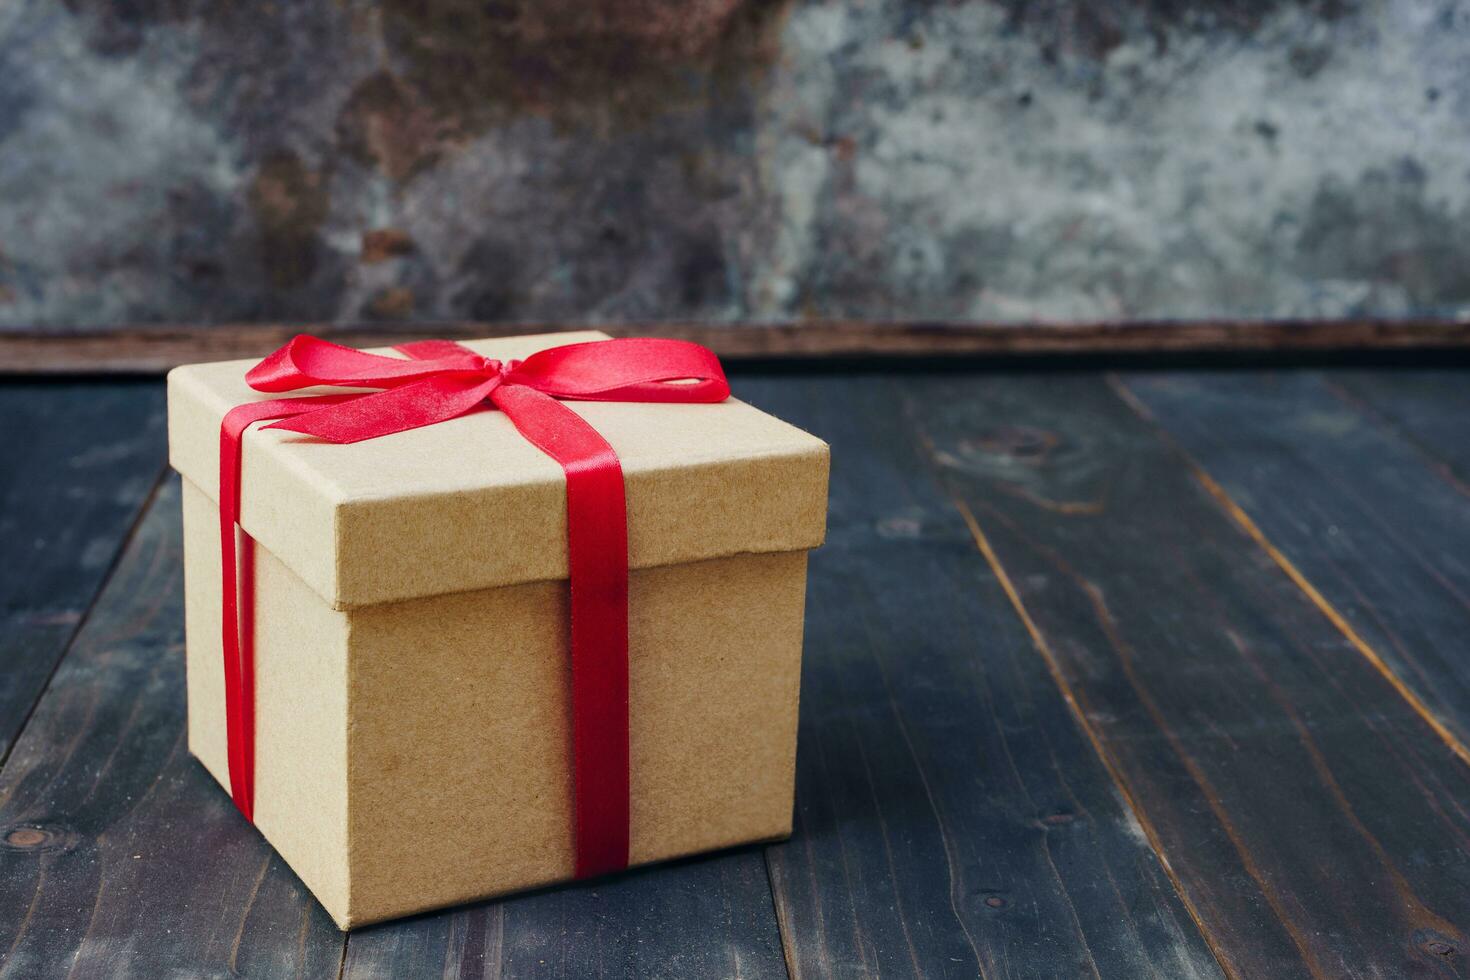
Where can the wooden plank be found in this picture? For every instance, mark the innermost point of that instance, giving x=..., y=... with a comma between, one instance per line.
x=152, y=348
x=1317, y=825
x=952, y=819
x=1425, y=408
x=1377, y=529
x=118, y=855
x=80, y=461
x=704, y=917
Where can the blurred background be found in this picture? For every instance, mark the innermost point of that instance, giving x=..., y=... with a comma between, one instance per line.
x=719, y=161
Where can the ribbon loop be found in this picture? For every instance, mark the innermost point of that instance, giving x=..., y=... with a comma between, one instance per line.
x=438, y=381
x=634, y=369
x=306, y=362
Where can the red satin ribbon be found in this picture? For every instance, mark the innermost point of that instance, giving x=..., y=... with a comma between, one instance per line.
x=441, y=380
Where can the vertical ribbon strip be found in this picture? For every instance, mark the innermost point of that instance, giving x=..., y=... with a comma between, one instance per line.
x=441, y=380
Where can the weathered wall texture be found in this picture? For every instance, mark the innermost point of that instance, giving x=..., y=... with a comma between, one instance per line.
x=210, y=160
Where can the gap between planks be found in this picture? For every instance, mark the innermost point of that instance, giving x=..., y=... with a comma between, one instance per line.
x=1371, y=412
x=1038, y=640
x=783, y=928
x=1053, y=667
x=1238, y=515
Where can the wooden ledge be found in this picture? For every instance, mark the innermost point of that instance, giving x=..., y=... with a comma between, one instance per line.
x=153, y=349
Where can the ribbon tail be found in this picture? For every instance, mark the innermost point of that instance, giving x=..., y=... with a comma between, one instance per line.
x=237, y=591
x=597, y=544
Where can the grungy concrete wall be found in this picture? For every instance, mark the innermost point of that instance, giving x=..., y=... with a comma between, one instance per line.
x=213, y=160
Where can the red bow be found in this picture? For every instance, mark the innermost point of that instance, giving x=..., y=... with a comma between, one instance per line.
x=439, y=381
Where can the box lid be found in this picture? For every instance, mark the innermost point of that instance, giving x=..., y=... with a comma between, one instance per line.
x=470, y=504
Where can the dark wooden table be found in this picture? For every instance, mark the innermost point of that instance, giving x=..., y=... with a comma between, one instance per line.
x=1124, y=675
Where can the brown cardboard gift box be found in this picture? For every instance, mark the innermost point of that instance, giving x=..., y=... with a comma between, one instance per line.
x=413, y=744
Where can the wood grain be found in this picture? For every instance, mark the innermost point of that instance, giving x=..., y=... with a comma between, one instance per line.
x=80, y=461
x=1042, y=651
x=1425, y=408
x=1377, y=525
x=119, y=857
x=151, y=349
x=704, y=917
x=952, y=819
x=1314, y=821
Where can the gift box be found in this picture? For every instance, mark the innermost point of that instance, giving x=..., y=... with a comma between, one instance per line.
x=408, y=725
